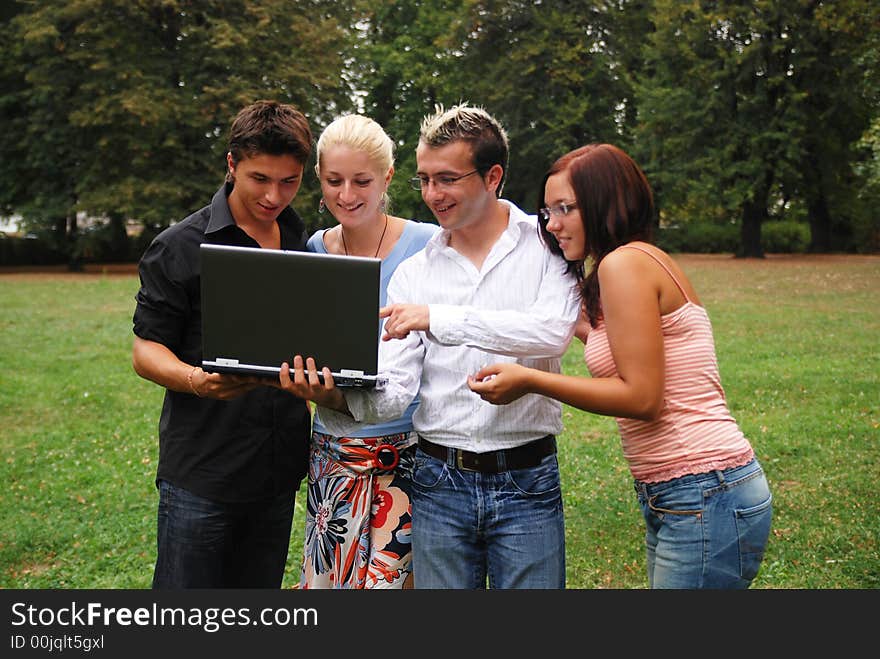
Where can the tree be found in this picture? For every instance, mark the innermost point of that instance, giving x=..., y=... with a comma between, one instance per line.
x=714, y=110
x=746, y=108
x=867, y=224
x=739, y=112
x=835, y=109
x=40, y=149
x=123, y=107
x=553, y=72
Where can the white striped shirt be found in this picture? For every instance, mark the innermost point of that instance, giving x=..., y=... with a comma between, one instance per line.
x=520, y=307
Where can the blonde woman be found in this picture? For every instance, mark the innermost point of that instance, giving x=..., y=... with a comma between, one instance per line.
x=358, y=518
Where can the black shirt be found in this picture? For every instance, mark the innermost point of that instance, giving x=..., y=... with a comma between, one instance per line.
x=250, y=448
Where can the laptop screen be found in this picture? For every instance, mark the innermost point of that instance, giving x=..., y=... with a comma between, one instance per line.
x=260, y=307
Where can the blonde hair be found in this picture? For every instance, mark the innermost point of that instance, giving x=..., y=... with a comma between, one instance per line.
x=359, y=133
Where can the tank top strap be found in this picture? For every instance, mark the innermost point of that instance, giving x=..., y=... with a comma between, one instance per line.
x=662, y=265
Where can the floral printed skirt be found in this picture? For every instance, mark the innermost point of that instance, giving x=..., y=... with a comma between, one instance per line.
x=358, y=516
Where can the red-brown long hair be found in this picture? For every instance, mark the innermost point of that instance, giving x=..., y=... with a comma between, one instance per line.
x=616, y=206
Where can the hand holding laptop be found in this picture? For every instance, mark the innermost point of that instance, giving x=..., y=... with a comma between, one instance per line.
x=249, y=328
x=221, y=386
x=304, y=381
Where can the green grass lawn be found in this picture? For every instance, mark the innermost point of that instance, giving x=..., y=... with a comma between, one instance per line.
x=797, y=341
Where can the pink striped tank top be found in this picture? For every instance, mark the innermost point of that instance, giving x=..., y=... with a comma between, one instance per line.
x=695, y=432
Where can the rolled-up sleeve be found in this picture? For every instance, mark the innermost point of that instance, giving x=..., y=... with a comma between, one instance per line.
x=162, y=300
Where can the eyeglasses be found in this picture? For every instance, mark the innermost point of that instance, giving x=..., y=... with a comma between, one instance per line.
x=422, y=182
x=560, y=210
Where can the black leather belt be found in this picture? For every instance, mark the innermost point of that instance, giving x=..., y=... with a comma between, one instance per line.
x=492, y=462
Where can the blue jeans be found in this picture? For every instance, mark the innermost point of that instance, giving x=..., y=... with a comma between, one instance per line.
x=707, y=530
x=208, y=544
x=470, y=525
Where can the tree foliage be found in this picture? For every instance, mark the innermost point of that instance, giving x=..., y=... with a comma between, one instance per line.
x=553, y=72
x=121, y=108
x=408, y=61
x=740, y=113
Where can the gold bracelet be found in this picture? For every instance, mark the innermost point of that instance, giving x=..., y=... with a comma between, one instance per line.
x=189, y=378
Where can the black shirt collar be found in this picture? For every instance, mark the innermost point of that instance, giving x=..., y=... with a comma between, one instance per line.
x=221, y=215
x=292, y=227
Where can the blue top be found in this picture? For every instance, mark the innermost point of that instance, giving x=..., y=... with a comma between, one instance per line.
x=415, y=235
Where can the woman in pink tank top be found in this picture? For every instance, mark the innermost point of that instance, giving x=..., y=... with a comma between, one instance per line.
x=651, y=354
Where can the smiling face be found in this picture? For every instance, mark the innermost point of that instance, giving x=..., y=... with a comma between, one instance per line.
x=464, y=202
x=352, y=185
x=567, y=228
x=264, y=186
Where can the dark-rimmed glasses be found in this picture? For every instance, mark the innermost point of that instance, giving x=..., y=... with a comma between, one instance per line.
x=422, y=182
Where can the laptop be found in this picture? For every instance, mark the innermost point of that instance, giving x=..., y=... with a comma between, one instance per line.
x=260, y=307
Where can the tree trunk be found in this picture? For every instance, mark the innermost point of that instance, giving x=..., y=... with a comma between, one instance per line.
x=754, y=211
x=817, y=203
x=74, y=260
x=750, y=237
x=118, y=248
x=59, y=233
x=820, y=221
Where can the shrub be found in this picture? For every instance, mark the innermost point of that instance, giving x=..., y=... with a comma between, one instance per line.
x=699, y=238
x=103, y=242
x=17, y=250
x=785, y=237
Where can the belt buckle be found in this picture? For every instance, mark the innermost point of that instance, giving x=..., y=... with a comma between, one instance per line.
x=459, y=461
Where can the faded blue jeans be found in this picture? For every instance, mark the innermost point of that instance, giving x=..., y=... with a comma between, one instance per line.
x=470, y=525
x=706, y=530
x=209, y=544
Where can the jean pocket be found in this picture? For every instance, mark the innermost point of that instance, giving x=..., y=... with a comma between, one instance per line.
x=538, y=480
x=753, y=529
x=681, y=501
x=427, y=472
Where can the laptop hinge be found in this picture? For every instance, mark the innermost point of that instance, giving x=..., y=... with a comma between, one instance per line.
x=350, y=373
x=223, y=361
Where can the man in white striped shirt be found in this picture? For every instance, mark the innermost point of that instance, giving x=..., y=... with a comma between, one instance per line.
x=486, y=496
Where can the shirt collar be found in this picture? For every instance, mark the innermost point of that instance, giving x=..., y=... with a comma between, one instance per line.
x=518, y=221
x=221, y=215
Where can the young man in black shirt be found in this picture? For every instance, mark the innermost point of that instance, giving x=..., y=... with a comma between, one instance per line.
x=231, y=452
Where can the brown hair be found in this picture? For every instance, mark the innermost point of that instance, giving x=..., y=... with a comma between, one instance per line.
x=474, y=125
x=616, y=206
x=272, y=128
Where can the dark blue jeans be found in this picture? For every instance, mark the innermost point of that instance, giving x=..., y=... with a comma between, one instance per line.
x=208, y=544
